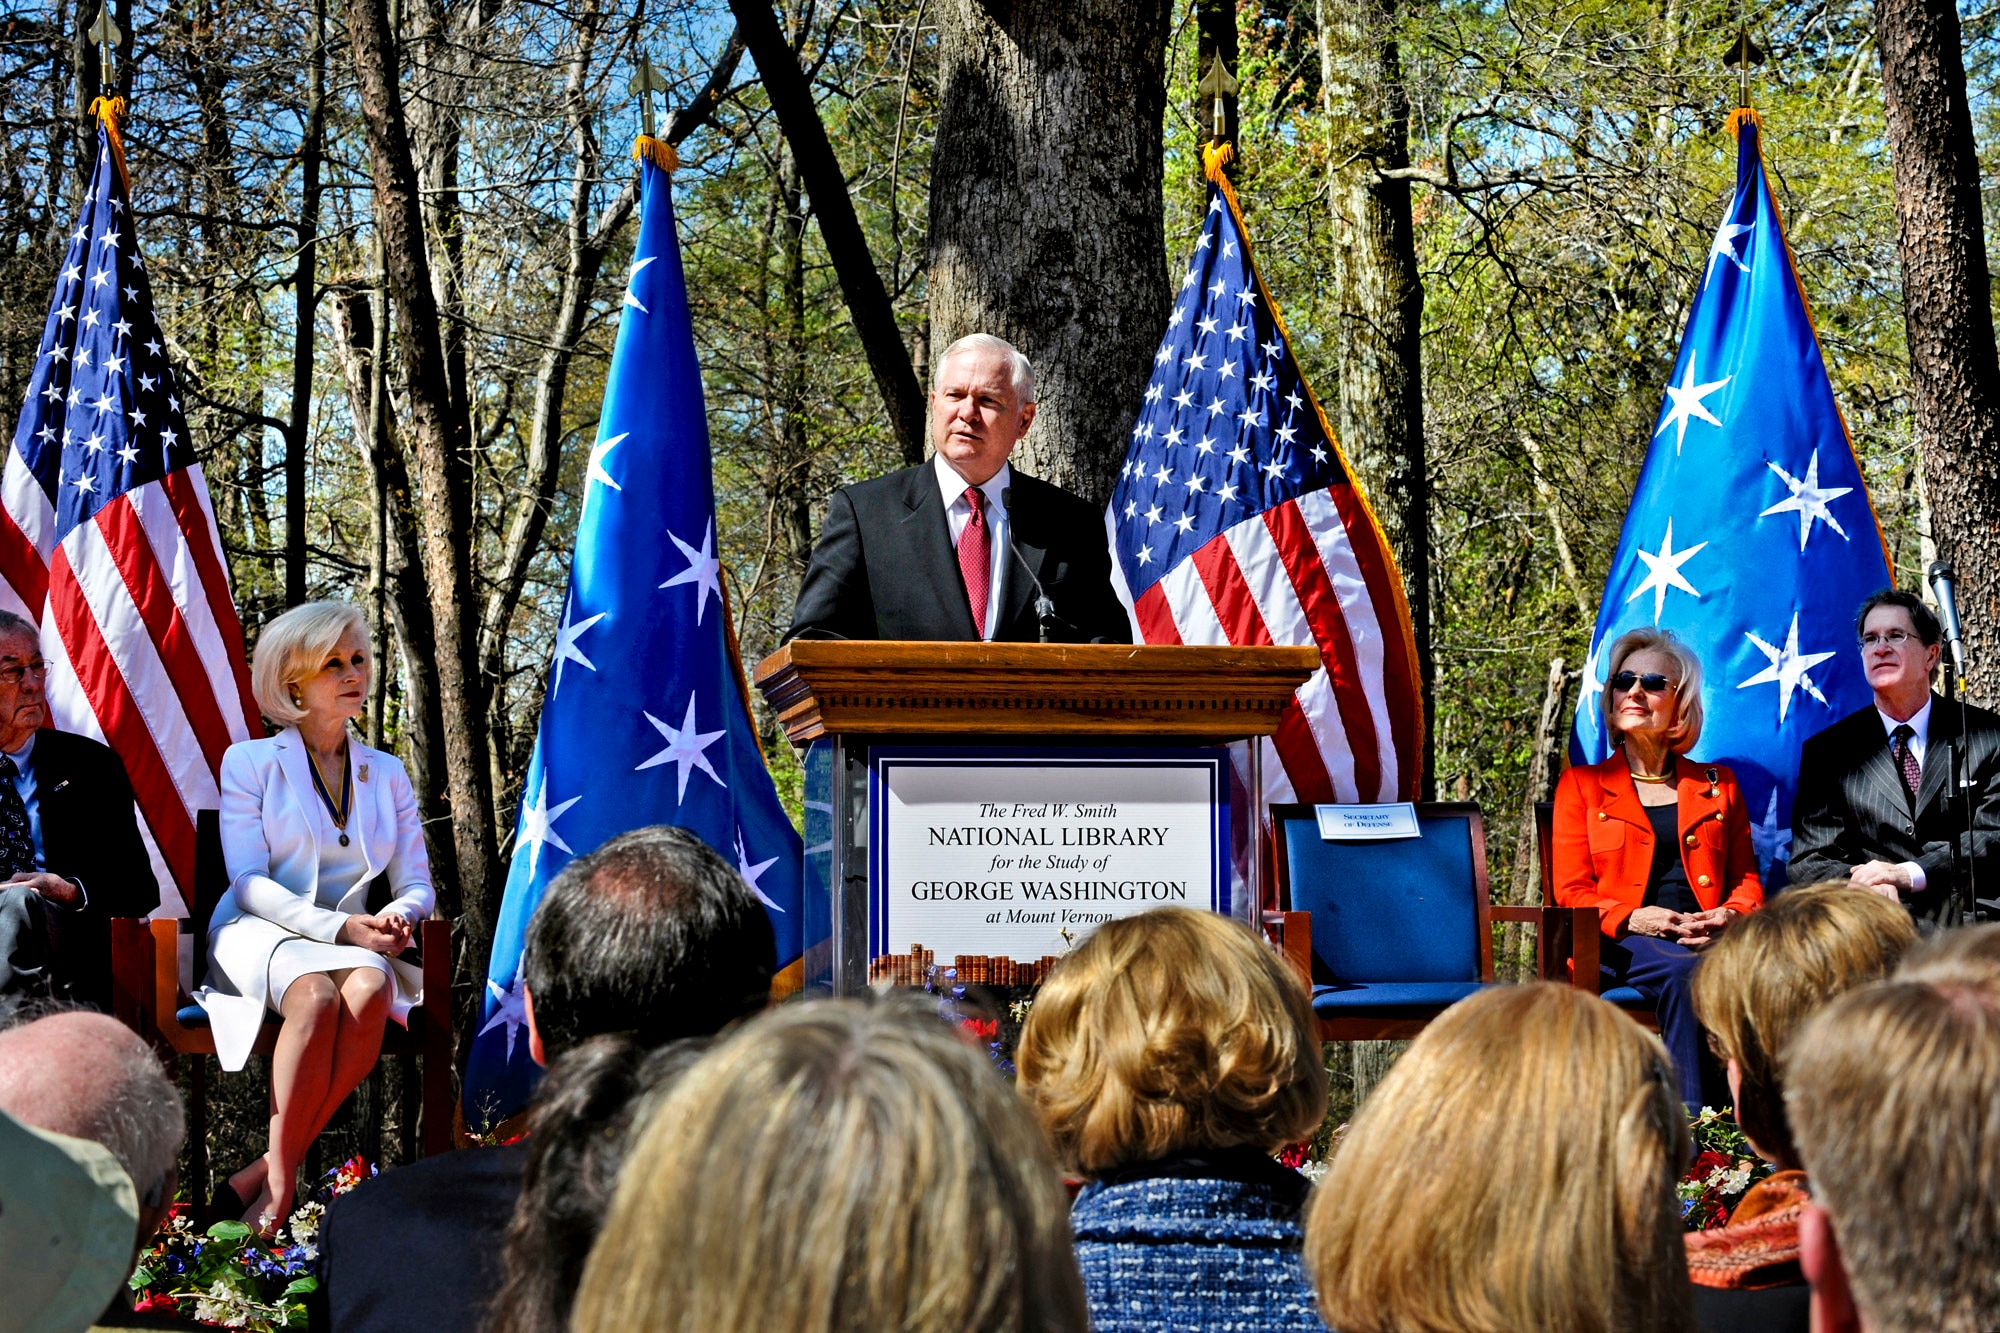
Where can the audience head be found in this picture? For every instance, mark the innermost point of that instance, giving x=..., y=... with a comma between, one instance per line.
x=89, y=1076
x=652, y=933
x=578, y=1128
x=1171, y=1031
x=1771, y=971
x=295, y=647
x=1515, y=1170
x=1894, y=1096
x=66, y=1221
x=848, y=1164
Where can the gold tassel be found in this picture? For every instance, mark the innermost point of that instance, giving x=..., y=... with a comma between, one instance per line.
x=109, y=110
x=661, y=152
x=1215, y=157
x=1741, y=116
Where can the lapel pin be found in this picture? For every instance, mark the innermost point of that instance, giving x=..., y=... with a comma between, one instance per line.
x=364, y=773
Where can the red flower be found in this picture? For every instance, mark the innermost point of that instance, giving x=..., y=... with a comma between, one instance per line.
x=1295, y=1155
x=151, y=1304
x=986, y=1029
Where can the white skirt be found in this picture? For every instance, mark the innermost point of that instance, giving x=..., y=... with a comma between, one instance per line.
x=298, y=957
x=251, y=963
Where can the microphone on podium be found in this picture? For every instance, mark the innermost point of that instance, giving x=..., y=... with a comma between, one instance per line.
x=1943, y=582
x=1045, y=608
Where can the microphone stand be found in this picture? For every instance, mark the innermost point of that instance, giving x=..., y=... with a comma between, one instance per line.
x=1964, y=861
x=1045, y=607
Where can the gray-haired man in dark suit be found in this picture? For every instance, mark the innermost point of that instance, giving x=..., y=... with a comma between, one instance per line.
x=1875, y=803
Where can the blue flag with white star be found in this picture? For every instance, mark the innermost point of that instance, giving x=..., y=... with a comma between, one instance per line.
x=1750, y=533
x=645, y=720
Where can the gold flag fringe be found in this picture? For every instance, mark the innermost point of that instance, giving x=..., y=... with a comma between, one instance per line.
x=109, y=110
x=663, y=154
x=1741, y=116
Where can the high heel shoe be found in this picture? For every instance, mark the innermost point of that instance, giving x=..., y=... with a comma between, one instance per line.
x=225, y=1205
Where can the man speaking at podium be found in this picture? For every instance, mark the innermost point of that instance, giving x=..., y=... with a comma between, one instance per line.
x=964, y=547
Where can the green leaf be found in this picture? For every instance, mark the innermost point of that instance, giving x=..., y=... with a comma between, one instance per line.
x=301, y=1286
x=142, y=1278
x=230, y=1231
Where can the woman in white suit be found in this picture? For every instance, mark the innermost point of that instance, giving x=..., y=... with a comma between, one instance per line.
x=310, y=817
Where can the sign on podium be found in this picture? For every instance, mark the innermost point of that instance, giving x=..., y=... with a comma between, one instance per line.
x=983, y=806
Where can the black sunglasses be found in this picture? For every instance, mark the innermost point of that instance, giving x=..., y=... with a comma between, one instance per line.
x=1652, y=682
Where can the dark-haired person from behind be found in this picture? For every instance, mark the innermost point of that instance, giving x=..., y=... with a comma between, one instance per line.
x=652, y=934
x=1752, y=992
x=582, y=1120
x=1875, y=803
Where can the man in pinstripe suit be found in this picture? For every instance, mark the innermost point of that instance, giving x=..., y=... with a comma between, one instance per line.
x=1874, y=802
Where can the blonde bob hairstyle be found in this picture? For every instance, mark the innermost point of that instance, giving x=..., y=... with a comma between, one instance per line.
x=1168, y=1031
x=1681, y=737
x=845, y=1164
x=1773, y=969
x=1514, y=1171
x=292, y=647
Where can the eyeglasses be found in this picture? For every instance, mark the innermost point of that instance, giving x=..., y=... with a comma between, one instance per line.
x=12, y=674
x=1652, y=682
x=1895, y=638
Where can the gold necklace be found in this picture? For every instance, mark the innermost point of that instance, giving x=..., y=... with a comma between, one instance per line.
x=1655, y=779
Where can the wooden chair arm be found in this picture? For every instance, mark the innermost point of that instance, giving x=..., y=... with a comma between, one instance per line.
x=434, y=939
x=1291, y=932
x=131, y=971
x=166, y=970
x=1566, y=941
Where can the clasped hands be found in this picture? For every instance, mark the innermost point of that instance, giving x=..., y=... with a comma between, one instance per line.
x=387, y=934
x=1696, y=930
x=1886, y=878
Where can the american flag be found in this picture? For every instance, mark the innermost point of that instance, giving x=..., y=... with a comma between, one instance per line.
x=1237, y=521
x=108, y=541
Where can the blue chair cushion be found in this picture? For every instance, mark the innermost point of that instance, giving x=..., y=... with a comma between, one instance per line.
x=1626, y=998
x=1397, y=911
x=1391, y=994
x=191, y=1016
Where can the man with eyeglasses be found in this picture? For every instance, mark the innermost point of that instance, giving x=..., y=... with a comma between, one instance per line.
x=1874, y=802
x=70, y=853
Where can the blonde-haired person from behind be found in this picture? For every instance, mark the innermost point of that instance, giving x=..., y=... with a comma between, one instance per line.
x=1169, y=1057
x=1753, y=990
x=311, y=818
x=841, y=1165
x=1514, y=1173
x=1893, y=1091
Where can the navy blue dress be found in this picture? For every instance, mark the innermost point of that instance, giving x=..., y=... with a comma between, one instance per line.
x=1195, y=1242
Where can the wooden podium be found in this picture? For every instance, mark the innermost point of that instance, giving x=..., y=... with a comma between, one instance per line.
x=847, y=698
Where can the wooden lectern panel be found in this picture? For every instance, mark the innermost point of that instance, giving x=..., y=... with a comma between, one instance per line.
x=854, y=687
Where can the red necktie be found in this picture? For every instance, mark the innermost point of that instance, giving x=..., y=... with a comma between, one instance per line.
x=1913, y=772
x=975, y=555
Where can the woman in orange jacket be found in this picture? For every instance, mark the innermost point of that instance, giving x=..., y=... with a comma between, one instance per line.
x=1657, y=843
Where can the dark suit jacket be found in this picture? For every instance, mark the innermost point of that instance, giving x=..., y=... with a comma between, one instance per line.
x=1852, y=807
x=90, y=834
x=418, y=1247
x=885, y=569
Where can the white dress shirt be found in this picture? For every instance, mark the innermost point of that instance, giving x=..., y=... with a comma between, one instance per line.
x=957, y=514
x=1920, y=724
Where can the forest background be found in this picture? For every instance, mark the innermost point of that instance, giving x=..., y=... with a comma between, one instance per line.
x=393, y=351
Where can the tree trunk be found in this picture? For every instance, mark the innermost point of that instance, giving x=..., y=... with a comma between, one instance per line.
x=1045, y=219
x=1517, y=955
x=1954, y=376
x=401, y=602
x=305, y=295
x=1381, y=299
x=867, y=299
x=439, y=440
x=1370, y=1062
